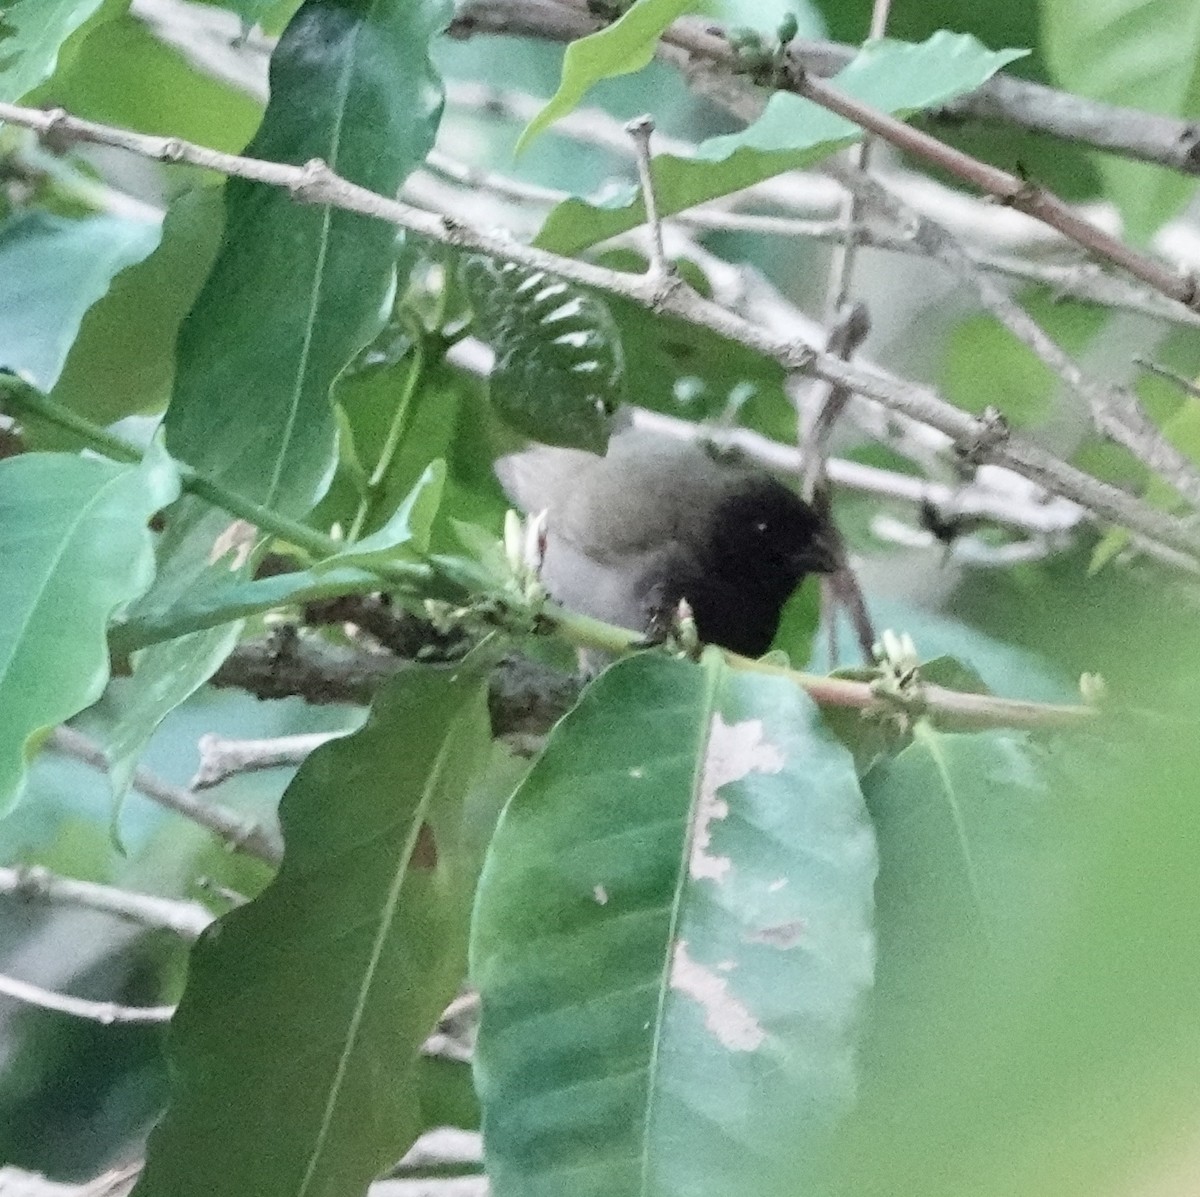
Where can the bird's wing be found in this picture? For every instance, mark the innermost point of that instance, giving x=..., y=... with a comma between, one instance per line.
x=535, y=477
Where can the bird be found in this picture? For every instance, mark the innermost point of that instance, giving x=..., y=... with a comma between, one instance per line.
x=660, y=519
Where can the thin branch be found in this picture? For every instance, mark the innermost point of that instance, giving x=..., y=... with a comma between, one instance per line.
x=102, y=1012
x=640, y=129
x=543, y=695
x=708, y=43
x=1144, y=136
x=841, y=268
x=977, y=439
x=221, y=758
x=1085, y=281
x=994, y=495
x=35, y=884
x=1185, y=385
x=1116, y=413
x=848, y=331
x=1010, y=189
x=239, y=834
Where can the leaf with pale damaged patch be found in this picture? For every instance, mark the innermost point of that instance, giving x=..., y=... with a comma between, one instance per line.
x=672, y=941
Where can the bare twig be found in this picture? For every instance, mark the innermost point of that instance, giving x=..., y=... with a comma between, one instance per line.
x=1144, y=136
x=846, y=334
x=977, y=439
x=641, y=130
x=1008, y=188
x=841, y=268
x=102, y=1012
x=707, y=42
x=182, y=918
x=995, y=495
x=1085, y=281
x=239, y=834
x=221, y=759
x=1116, y=413
x=1185, y=385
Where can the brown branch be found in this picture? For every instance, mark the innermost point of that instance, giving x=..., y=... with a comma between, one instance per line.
x=102, y=1012
x=707, y=43
x=527, y=698
x=1116, y=412
x=239, y=834
x=35, y=884
x=1144, y=136
x=977, y=439
x=524, y=699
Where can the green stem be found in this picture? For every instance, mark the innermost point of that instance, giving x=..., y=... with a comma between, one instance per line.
x=366, y=507
x=21, y=397
x=585, y=632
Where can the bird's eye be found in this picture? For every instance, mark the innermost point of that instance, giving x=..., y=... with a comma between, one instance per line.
x=760, y=526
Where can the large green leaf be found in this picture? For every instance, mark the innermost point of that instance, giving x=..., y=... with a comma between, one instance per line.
x=625, y=46
x=76, y=548
x=296, y=1042
x=123, y=360
x=1140, y=54
x=52, y=269
x=297, y=289
x=1062, y=1064
x=122, y=74
x=672, y=942
x=31, y=34
x=893, y=76
x=980, y=859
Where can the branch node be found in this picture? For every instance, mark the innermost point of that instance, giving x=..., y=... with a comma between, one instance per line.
x=800, y=358
x=173, y=150
x=313, y=174
x=457, y=233
x=987, y=434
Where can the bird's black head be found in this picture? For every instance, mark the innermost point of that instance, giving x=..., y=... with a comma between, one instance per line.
x=765, y=539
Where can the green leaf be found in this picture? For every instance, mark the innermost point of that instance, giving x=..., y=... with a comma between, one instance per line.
x=893, y=76
x=123, y=360
x=625, y=46
x=294, y=293
x=298, y=289
x=672, y=942
x=192, y=562
x=1182, y=429
x=122, y=74
x=559, y=371
x=1138, y=54
x=31, y=34
x=225, y=600
x=406, y=533
x=52, y=269
x=209, y=607
x=296, y=1043
x=979, y=859
x=76, y=549
x=1064, y=1063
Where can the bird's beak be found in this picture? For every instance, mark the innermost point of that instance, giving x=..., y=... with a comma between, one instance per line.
x=823, y=554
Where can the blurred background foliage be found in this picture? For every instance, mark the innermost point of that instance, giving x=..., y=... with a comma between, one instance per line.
x=1073, y=1065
